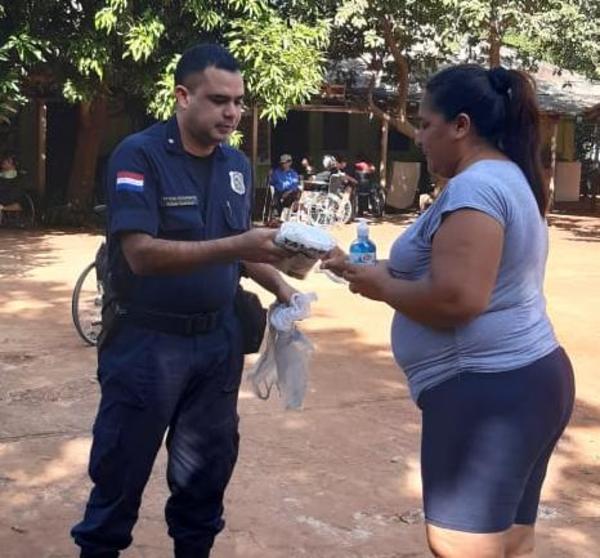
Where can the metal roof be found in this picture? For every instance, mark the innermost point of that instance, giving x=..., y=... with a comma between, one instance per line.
x=559, y=91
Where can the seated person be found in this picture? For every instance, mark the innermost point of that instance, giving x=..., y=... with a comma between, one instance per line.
x=329, y=167
x=364, y=165
x=10, y=192
x=286, y=184
x=308, y=171
x=8, y=167
x=349, y=179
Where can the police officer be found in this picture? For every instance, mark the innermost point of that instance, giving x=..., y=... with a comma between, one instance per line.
x=178, y=228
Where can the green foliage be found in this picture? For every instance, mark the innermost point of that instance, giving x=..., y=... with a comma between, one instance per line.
x=563, y=32
x=28, y=50
x=421, y=30
x=129, y=48
x=141, y=40
x=18, y=52
x=106, y=20
x=400, y=41
x=137, y=46
x=236, y=139
x=282, y=61
x=162, y=103
x=430, y=32
x=568, y=35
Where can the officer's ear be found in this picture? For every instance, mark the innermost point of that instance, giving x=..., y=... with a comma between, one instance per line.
x=182, y=94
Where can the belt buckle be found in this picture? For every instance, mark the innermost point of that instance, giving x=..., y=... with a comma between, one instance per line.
x=198, y=323
x=189, y=328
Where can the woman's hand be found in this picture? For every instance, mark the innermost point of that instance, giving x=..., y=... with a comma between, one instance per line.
x=335, y=261
x=370, y=281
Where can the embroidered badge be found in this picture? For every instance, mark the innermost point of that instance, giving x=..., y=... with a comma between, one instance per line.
x=130, y=181
x=178, y=201
x=237, y=182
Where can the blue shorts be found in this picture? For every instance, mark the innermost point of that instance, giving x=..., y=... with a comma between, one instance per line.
x=487, y=439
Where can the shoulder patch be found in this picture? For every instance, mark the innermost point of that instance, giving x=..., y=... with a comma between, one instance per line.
x=236, y=180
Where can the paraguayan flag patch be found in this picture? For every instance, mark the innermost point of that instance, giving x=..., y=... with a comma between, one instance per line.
x=130, y=181
x=237, y=182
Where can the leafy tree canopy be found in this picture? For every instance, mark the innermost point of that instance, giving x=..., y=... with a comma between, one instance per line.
x=127, y=47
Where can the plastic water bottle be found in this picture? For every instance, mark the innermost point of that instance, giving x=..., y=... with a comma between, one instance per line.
x=362, y=250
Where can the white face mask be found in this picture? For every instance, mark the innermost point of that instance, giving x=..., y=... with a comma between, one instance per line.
x=9, y=174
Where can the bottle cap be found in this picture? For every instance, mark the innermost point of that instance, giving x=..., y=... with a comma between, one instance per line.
x=362, y=228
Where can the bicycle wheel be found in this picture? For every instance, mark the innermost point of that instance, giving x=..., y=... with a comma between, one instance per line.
x=86, y=305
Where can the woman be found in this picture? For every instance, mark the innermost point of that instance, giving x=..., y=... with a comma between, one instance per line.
x=470, y=329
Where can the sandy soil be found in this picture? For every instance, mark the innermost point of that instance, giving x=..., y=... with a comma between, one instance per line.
x=337, y=480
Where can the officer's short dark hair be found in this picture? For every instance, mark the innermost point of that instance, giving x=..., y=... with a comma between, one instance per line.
x=207, y=55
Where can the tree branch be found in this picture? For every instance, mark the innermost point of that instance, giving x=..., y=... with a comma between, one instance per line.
x=402, y=125
x=399, y=121
x=400, y=65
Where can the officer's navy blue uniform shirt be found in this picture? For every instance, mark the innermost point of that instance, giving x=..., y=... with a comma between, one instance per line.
x=155, y=187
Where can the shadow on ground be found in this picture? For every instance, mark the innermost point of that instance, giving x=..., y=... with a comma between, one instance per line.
x=586, y=229
x=338, y=480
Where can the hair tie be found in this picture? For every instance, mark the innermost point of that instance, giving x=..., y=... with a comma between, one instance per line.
x=500, y=79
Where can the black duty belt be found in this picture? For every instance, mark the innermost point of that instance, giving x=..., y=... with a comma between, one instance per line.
x=175, y=324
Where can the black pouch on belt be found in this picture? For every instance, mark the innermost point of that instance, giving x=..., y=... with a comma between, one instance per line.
x=111, y=314
x=253, y=319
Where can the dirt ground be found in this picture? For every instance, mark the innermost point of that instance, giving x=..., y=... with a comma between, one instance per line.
x=338, y=480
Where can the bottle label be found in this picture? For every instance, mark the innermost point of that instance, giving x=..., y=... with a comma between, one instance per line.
x=362, y=258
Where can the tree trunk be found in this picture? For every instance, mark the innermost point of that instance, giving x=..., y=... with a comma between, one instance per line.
x=495, y=44
x=494, y=51
x=399, y=121
x=90, y=131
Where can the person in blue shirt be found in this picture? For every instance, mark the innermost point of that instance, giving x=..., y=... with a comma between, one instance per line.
x=470, y=329
x=286, y=184
x=179, y=232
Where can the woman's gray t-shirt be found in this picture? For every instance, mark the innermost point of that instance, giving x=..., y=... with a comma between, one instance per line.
x=514, y=330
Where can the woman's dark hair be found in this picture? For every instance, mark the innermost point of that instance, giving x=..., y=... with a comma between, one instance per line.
x=502, y=106
x=197, y=58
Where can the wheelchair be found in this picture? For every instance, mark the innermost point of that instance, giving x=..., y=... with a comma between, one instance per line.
x=370, y=196
x=17, y=208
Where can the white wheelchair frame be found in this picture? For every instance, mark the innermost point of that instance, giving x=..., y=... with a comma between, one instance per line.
x=322, y=208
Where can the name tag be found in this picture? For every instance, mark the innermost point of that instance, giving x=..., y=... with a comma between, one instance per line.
x=178, y=201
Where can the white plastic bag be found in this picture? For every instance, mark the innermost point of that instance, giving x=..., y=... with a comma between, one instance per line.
x=293, y=351
x=283, y=316
x=285, y=357
x=264, y=374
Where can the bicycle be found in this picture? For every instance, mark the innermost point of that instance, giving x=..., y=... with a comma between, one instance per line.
x=88, y=294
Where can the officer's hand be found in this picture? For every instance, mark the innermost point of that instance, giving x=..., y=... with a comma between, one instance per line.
x=257, y=245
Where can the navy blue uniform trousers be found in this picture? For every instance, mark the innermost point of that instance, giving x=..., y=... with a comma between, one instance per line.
x=152, y=383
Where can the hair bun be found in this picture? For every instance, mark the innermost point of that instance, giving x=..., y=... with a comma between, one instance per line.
x=500, y=79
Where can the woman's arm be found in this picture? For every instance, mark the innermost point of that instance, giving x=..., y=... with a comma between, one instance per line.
x=466, y=253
